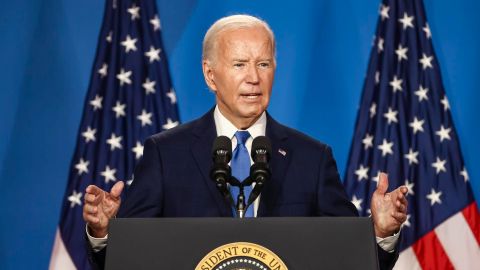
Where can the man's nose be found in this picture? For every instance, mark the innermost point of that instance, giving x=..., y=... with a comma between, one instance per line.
x=252, y=76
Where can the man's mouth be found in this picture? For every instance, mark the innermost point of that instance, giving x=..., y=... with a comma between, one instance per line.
x=251, y=95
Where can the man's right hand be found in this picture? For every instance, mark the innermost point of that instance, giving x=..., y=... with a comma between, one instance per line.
x=100, y=206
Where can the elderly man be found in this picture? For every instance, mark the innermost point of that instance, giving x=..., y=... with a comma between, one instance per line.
x=172, y=179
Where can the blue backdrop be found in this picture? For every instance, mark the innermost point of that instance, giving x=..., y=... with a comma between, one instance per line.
x=47, y=50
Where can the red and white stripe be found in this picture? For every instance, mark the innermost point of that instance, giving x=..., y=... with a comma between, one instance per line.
x=454, y=244
x=60, y=258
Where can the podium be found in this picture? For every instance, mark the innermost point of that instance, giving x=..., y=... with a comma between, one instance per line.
x=251, y=243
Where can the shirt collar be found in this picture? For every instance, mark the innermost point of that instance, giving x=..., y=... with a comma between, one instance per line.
x=226, y=128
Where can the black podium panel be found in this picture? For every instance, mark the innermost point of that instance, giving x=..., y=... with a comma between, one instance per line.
x=301, y=243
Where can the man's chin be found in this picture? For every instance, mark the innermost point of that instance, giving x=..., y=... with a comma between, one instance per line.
x=252, y=111
x=252, y=117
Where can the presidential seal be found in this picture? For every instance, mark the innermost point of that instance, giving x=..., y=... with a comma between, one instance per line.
x=241, y=256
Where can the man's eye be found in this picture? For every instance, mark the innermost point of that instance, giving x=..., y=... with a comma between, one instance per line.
x=239, y=65
x=264, y=65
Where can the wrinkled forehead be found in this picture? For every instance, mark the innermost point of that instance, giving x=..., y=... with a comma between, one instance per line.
x=251, y=40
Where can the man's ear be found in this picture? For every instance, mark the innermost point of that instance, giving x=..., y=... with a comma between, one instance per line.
x=208, y=74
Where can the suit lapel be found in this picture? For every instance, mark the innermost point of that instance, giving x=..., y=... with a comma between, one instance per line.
x=279, y=162
x=205, y=134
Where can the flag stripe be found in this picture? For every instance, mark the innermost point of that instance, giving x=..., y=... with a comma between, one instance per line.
x=407, y=260
x=472, y=216
x=60, y=257
x=430, y=253
x=461, y=246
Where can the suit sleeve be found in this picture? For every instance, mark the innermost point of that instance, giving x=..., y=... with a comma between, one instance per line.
x=96, y=259
x=333, y=201
x=143, y=197
x=331, y=197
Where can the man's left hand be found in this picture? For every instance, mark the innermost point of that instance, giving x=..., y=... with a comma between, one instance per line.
x=389, y=210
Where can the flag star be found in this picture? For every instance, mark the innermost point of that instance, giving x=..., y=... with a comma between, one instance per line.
x=380, y=44
x=96, y=102
x=426, y=61
x=396, y=84
x=145, y=118
x=427, y=31
x=464, y=173
x=135, y=11
x=109, y=174
x=439, y=165
x=171, y=95
x=367, y=141
x=119, y=109
x=138, y=150
x=362, y=172
x=377, y=77
x=376, y=177
x=89, y=134
x=129, y=182
x=109, y=37
x=384, y=12
x=129, y=44
x=417, y=125
x=386, y=147
x=170, y=124
x=407, y=221
x=443, y=133
x=434, y=197
x=75, y=198
x=124, y=77
x=406, y=21
x=153, y=54
x=373, y=110
x=391, y=116
x=156, y=23
x=445, y=103
x=149, y=86
x=421, y=93
x=409, y=186
x=401, y=53
x=114, y=142
x=412, y=157
x=82, y=166
x=357, y=202
x=103, y=71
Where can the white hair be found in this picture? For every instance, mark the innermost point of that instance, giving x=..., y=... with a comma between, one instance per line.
x=232, y=22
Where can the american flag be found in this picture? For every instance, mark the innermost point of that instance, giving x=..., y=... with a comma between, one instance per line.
x=129, y=98
x=404, y=128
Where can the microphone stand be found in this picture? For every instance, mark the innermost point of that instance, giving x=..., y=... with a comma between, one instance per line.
x=240, y=207
x=242, y=203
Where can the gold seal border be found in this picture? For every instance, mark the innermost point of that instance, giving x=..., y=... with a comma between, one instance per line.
x=241, y=249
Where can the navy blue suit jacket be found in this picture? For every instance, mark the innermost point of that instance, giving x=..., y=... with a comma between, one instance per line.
x=172, y=179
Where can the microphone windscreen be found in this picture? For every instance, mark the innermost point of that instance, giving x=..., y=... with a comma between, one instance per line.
x=261, y=145
x=222, y=143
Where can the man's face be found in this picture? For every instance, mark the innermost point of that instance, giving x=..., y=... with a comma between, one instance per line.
x=241, y=74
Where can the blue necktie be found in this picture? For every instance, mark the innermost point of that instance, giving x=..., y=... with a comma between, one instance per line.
x=241, y=167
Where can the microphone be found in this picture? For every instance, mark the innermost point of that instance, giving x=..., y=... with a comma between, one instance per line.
x=260, y=170
x=221, y=172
